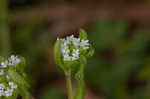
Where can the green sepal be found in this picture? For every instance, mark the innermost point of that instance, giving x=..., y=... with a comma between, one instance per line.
x=83, y=35
x=90, y=51
x=17, y=78
x=58, y=55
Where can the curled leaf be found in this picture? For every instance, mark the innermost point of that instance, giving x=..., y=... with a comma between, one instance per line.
x=58, y=54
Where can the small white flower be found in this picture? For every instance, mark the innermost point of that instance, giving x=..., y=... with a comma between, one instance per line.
x=8, y=92
x=13, y=60
x=75, y=54
x=70, y=38
x=2, y=93
x=1, y=72
x=84, y=44
x=2, y=86
x=67, y=58
x=4, y=64
x=13, y=85
x=76, y=41
x=7, y=76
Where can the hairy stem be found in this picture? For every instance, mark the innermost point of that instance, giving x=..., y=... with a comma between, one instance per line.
x=69, y=86
x=4, y=28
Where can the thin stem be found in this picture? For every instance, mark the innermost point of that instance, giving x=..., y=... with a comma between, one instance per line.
x=80, y=90
x=69, y=86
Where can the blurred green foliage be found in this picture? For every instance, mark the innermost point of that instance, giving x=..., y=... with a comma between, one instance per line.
x=54, y=93
x=129, y=53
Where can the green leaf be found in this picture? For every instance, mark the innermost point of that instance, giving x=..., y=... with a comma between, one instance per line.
x=83, y=35
x=24, y=92
x=58, y=55
x=17, y=78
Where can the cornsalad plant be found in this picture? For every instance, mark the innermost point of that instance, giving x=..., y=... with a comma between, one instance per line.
x=13, y=81
x=71, y=53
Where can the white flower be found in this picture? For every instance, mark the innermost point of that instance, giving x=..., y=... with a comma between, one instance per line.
x=76, y=41
x=1, y=72
x=4, y=64
x=2, y=86
x=67, y=58
x=9, y=92
x=84, y=44
x=73, y=53
x=2, y=93
x=7, y=89
x=10, y=83
x=7, y=76
x=13, y=85
x=13, y=60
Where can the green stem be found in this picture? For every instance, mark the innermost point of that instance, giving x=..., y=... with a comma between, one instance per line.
x=4, y=28
x=69, y=86
x=80, y=90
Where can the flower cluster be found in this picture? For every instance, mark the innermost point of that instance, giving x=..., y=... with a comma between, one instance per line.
x=71, y=47
x=7, y=86
x=7, y=90
x=13, y=60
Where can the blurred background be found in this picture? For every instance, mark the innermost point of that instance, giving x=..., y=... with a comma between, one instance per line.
x=118, y=29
